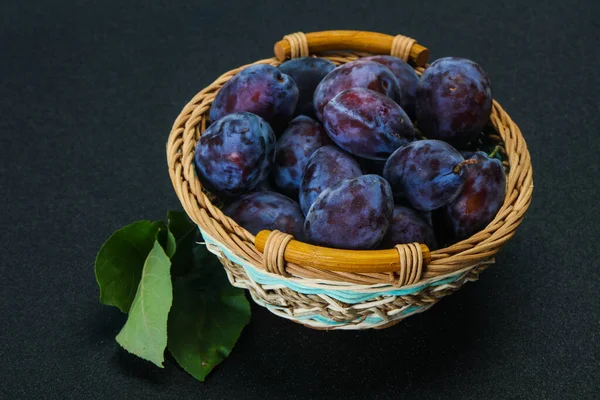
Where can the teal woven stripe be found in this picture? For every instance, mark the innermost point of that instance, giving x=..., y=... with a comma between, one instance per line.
x=319, y=318
x=346, y=296
x=373, y=320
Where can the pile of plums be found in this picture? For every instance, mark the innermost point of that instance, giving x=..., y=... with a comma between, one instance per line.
x=365, y=155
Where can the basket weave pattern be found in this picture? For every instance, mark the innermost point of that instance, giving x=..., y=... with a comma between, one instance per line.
x=332, y=299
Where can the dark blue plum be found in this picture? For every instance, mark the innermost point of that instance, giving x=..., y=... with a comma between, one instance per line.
x=409, y=226
x=260, y=89
x=259, y=211
x=307, y=72
x=352, y=214
x=301, y=138
x=367, y=123
x=454, y=100
x=430, y=173
x=235, y=154
x=407, y=79
x=365, y=74
x=327, y=166
x=480, y=199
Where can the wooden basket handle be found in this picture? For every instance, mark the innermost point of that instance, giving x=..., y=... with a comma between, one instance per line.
x=409, y=259
x=300, y=45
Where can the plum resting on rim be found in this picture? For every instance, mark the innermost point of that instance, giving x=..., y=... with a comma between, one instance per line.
x=260, y=89
x=235, y=154
x=453, y=100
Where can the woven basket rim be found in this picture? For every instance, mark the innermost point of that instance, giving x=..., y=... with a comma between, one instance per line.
x=482, y=246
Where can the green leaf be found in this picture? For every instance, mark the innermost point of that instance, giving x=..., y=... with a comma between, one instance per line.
x=167, y=241
x=184, y=231
x=120, y=261
x=145, y=332
x=207, y=316
x=179, y=224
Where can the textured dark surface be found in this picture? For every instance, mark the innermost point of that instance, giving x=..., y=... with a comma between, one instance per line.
x=88, y=93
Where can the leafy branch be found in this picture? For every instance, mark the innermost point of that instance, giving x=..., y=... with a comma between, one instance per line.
x=175, y=292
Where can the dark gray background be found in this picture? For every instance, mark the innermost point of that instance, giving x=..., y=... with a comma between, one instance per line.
x=88, y=93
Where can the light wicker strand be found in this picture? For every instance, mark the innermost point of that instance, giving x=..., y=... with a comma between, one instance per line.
x=273, y=256
x=411, y=264
x=401, y=47
x=298, y=44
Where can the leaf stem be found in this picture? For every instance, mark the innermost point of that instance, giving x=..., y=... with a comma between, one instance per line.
x=495, y=151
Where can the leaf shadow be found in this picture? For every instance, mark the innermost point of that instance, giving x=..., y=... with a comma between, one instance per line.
x=105, y=324
x=135, y=367
x=103, y=328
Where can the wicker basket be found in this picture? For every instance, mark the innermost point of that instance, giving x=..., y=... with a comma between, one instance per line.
x=342, y=289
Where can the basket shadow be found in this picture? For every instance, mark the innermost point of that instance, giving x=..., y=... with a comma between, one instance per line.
x=414, y=353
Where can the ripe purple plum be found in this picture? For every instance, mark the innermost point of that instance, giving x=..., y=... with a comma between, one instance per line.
x=327, y=165
x=301, y=138
x=480, y=199
x=360, y=73
x=367, y=123
x=454, y=100
x=258, y=211
x=352, y=214
x=430, y=173
x=407, y=79
x=235, y=154
x=307, y=72
x=260, y=89
x=409, y=226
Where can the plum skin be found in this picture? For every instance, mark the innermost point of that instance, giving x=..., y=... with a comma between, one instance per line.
x=427, y=173
x=407, y=79
x=235, y=154
x=302, y=137
x=359, y=73
x=480, y=199
x=260, y=89
x=453, y=100
x=327, y=166
x=266, y=210
x=352, y=214
x=367, y=123
x=307, y=72
x=408, y=226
